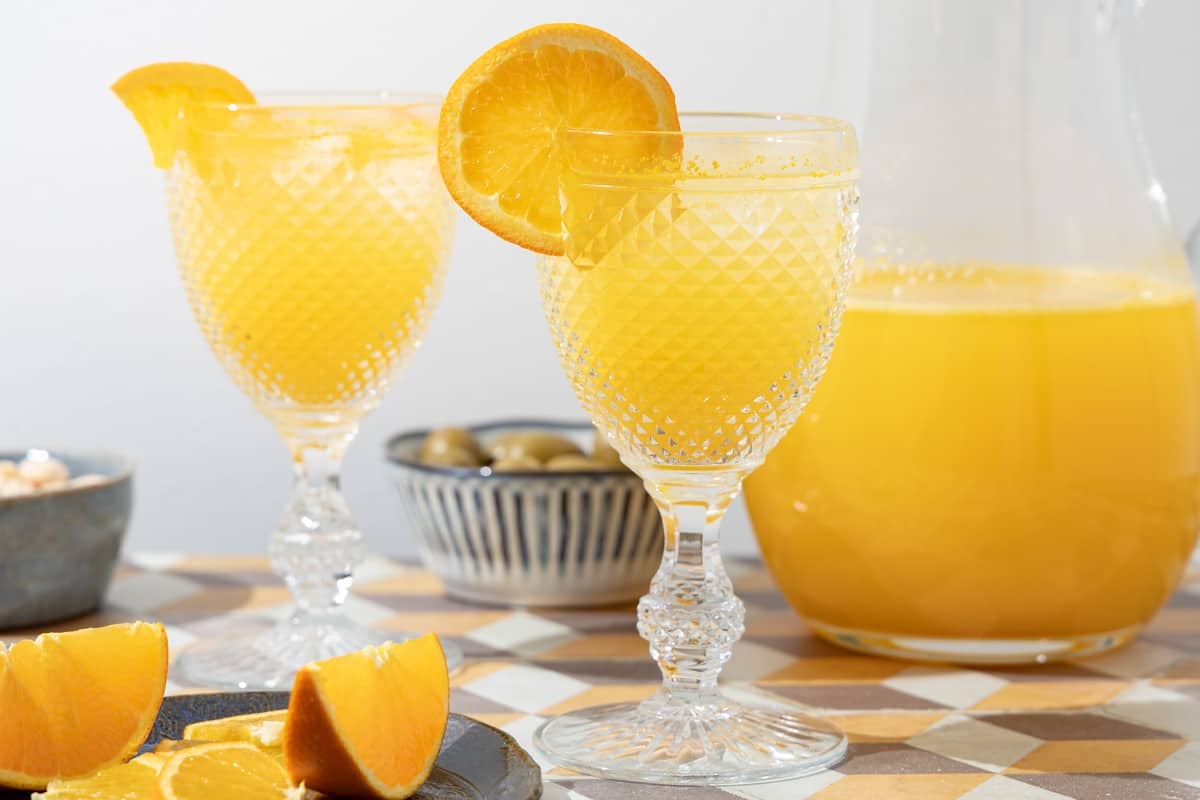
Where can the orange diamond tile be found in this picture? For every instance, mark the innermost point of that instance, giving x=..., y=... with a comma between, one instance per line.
x=1052, y=695
x=837, y=669
x=901, y=787
x=1112, y=755
x=884, y=727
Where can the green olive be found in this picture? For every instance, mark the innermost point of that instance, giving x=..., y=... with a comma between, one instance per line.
x=534, y=444
x=574, y=463
x=442, y=439
x=518, y=464
x=604, y=452
x=450, y=456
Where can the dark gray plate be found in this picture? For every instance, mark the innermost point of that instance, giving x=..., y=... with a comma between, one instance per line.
x=477, y=761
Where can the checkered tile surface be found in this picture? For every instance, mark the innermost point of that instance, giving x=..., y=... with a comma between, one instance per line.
x=1123, y=726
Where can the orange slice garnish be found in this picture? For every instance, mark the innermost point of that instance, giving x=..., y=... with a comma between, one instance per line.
x=73, y=703
x=500, y=132
x=158, y=94
x=369, y=724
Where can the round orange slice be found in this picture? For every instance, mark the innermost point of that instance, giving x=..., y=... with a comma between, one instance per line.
x=73, y=703
x=369, y=724
x=225, y=771
x=500, y=132
x=157, y=95
x=135, y=780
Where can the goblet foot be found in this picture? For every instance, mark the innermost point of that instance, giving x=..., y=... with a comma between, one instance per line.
x=701, y=740
x=269, y=660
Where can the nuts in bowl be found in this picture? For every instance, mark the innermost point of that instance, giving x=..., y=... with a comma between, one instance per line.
x=529, y=513
x=63, y=517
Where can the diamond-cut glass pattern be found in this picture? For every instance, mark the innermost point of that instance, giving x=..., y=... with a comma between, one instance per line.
x=700, y=332
x=312, y=270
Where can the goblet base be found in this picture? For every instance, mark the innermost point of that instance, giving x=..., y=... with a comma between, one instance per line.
x=707, y=739
x=269, y=659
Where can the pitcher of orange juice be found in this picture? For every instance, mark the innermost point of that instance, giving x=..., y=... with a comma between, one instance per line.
x=1002, y=462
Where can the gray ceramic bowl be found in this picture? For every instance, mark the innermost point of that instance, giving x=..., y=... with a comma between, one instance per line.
x=584, y=538
x=58, y=548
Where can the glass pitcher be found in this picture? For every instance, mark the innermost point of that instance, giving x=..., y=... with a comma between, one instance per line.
x=1002, y=463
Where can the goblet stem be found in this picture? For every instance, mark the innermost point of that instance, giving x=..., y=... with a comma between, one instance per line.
x=691, y=617
x=317, y=545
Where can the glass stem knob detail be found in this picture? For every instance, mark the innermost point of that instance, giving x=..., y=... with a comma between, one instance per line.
x=317, y=545
x=691, y=616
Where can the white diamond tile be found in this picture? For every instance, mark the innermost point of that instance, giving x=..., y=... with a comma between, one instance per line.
x=951, y=687
x=798, y=789
x=1183, y=765
x=147, y=590
x=1181, y=719
x=752, y=661
x=366, y=612
x=378, y=568
x=1138, y=660
x=1147, y=692
x=526, y=688
x=523, y=633
x=1002, y=788
x=153, y=561
x=972, y=741
x=553, y=791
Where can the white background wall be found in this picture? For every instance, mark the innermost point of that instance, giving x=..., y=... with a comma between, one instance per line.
x=97, y=347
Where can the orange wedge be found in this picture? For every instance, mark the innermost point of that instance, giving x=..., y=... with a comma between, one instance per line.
x=157, y=95
x=225, y=771
x=500, y=132
x=369, y=724
x=73, y=703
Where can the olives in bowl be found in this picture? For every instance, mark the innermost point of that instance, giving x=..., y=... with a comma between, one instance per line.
x=527, y=513
x=518, y=450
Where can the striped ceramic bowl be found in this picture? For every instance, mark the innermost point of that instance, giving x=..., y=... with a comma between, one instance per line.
x=584, y=538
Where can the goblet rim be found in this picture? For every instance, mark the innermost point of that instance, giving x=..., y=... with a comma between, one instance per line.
x=285, y=99
x=755, y=125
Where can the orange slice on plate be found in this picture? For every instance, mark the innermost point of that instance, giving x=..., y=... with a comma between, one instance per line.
x=157, y=95
x=369, y=724
x=500, y=132
x=264, y=729
x=136, y=780
x=73, y=703
x=225, y=771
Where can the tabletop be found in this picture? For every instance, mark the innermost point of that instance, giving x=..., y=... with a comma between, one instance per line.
x=1124, y=725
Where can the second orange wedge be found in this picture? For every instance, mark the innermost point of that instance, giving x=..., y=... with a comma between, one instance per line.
x=369, y=724
x=500, y=133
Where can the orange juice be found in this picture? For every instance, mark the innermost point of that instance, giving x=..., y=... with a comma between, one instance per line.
x=312, y=260
x=994, y=452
